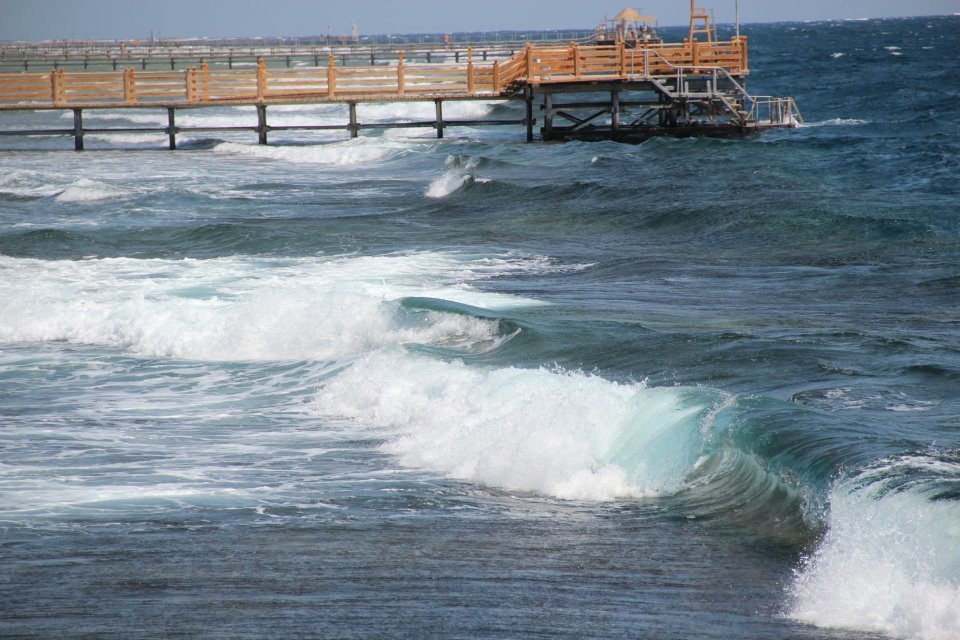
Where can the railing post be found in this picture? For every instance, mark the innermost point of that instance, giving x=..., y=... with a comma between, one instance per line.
x=622, y=52
x=528, y=52
x=331, y=76
x=204, y=84
x=400, y=73
x=496, y=77
x=129, y=85
x=470, y=80
x=577, y=71
x=695, y=52
x=261, y=78
x=190, y=84
x=56, y=86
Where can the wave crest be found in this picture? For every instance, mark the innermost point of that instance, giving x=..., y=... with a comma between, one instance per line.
x=890, y=561
x=563, y=434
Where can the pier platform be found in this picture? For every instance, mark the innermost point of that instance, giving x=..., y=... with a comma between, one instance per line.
x=621, y=91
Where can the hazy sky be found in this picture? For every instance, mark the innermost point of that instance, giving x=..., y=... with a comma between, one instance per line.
x=127, y=19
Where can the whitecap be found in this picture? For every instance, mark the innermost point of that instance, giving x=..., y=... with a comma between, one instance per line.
x=85, y=190
x=836, y=122
x=246, y=309
x=563, y=434
x=890, y=562
x=357, y=151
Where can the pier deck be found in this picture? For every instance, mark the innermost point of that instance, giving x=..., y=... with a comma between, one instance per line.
x=683, y=88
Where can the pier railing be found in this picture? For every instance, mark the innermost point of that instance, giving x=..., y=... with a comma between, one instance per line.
x=533, y=65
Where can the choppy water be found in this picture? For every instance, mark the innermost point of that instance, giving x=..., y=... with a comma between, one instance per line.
x=398, y=387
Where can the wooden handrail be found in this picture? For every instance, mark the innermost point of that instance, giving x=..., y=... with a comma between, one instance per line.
x=533, y=65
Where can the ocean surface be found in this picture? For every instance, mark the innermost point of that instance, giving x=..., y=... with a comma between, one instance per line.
x=401, y=387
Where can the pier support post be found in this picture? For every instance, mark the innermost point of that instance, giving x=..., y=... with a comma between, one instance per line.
x=171, y=128
x=439, y=125
x=353, y=126
x=528, y=98
x=262, y=127
x=78, y=129
x=548, y=116
x=615, y=112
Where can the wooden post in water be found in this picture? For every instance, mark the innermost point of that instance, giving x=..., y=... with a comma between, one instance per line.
x=547, y=116
x=171, y=128
x=615, y=112
x=353, y=120
x=262, y=123
x=528, y=98
x=78, y=129
x=439, y=105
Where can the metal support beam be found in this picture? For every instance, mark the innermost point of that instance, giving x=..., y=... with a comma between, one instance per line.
x=262, y=127
x=581, y=122
x=78, y=129
x=172, y=128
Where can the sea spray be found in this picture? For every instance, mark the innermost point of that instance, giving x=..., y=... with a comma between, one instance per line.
x=458, y=172
x=890, y=561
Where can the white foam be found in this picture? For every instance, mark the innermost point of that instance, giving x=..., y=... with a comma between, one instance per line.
x=85, y=190
x=245, y=309
x=26, y=183
x=357, y=151
x=890, y=562
x=836, y=122
x=557, y=433
x=457, y=173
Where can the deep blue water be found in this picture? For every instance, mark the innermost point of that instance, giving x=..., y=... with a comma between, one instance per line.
x=400, y=387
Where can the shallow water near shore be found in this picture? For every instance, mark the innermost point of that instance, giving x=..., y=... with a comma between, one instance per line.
x=403, y=387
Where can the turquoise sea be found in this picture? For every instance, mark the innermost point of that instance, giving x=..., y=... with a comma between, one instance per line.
x=401, y=387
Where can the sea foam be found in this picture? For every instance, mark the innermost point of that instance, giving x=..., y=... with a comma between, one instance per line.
x=563, y=434
x=458, y=172
x=890, y=561
x=227, y=309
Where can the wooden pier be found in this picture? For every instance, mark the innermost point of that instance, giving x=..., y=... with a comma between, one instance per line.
x=622, y=91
